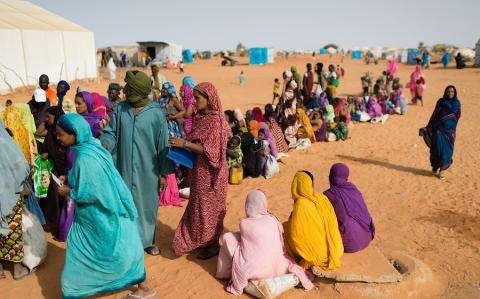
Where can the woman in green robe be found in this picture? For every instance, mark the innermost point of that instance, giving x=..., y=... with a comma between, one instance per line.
x=104, y=253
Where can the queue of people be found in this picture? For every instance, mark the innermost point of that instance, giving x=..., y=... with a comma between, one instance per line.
x=109, y=161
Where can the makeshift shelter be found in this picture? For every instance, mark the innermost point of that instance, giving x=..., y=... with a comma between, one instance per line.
x=322, y=51
x=477, y=54
x=187, y=56
x=356, y=54
x=36, y=41
x=161, y=51
x=261, y=55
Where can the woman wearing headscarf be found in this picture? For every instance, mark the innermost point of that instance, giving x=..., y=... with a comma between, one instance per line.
x=392, y=67
x=84, y=103
x=373, y=109
x=188, y=81
x=441, y=131
x=62, y=88
x=104, y=251
x=252, y=155
x=257, y=250
x=28, y=122
x=173, y=108
x=202, y=222
x=305, y=122
x=354, y=221
x=145, y=166
x=15, y=170
x=56, y=153
x=258, y=114
x=239, y=117
x=186, y=92
x=12, y=119
x=99, y=105
x=266, y=137
x=275, y=129
x=312, y=232
x=254, y=126
x=417, y=83
x=342, y=109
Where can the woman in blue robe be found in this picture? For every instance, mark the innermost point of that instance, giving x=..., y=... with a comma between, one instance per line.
x=440, y=132
x=104, y=251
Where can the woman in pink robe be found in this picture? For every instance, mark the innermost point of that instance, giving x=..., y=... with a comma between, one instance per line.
x=257, y=251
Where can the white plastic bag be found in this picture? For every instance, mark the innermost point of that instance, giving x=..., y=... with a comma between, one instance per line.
x=272, y=287
x=271, y=167
x=34, y=241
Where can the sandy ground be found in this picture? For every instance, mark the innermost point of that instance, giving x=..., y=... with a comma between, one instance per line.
x=435, y=221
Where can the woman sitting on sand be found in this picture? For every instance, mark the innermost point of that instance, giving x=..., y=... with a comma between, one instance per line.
x=354, y=220
x=104, y=251
x=275, y=129
x=312, y=233
x=440, y=133
x=257, y=251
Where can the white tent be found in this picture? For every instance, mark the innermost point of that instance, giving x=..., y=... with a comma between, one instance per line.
x=36, y=41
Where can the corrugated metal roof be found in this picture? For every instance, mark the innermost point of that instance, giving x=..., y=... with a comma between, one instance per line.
x=18, y=14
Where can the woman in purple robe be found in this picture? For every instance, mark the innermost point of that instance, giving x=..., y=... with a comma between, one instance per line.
x=440, y=133
x=84, y=103
x=354, y=221
x=373, y=108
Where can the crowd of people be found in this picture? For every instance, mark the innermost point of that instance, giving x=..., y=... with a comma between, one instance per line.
x=113, y=160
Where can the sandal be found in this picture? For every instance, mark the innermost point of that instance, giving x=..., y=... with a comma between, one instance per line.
x=153, y=250
x=441, y=175
x=132, y=295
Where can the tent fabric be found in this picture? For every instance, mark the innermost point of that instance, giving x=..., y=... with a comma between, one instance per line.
x=24, y=27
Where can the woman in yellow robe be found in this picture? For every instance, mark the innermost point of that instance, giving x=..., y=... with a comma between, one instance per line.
x=312, y=233
x=306, y=124
x=12, y=119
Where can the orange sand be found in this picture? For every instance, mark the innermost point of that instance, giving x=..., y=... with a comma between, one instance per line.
x=435, y=221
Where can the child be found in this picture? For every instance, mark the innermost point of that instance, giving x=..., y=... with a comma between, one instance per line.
x=341, y=129
x=419, y=91
x=242, y=78
x=276, y=90
x=234, y=152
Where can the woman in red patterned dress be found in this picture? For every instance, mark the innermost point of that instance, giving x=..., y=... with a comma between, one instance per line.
x=202, y=222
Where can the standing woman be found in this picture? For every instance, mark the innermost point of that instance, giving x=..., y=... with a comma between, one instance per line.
x=104, y=251
x=202, y=222
x=440, y=133
x=189, y=104
x=14, y=171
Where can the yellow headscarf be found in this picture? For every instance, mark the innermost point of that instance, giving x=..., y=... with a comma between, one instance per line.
x=305, y=121
x=312, y=232
x=12, y=119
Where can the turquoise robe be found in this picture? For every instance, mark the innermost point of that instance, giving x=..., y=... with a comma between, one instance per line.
x=104, y=252
x=140, y=146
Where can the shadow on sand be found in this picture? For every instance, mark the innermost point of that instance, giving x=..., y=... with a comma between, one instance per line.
x=49, y=273
x=416, y=171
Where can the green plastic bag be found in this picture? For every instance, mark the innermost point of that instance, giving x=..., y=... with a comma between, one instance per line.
x=42, y=170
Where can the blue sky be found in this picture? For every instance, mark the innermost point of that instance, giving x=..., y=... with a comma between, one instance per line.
x=295, y=24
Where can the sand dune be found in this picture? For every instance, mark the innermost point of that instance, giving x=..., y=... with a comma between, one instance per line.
x=435, y=221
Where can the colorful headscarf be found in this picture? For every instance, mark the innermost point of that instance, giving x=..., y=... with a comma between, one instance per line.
x=270, y=138
x=211, y=129
x=258, y=114
x=312, y=232
x=170, y=89
x=254, y=127
x=305, y=121
x=137, y=89
x=187, y=80
x=188, y=98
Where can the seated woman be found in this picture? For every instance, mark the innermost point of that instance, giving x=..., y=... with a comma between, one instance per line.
x=305, y=122
x=275, y=129
x=319, y=126
x=257, y=251
x=311, y=234
x=340, y=128
x=251, y=150
x=354, y=221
